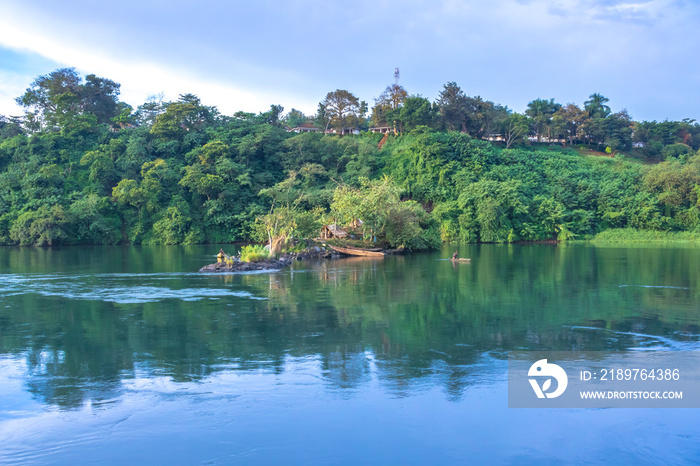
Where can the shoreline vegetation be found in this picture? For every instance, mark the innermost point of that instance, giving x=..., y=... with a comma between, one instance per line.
x=645, y=236
x=82, y=167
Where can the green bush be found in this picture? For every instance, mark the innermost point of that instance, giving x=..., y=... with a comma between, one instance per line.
x=254, y=253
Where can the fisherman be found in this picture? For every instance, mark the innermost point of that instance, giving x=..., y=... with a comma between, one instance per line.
x=221, y=257
x=455, y=256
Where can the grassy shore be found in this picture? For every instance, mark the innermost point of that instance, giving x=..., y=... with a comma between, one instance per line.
x=645, y=236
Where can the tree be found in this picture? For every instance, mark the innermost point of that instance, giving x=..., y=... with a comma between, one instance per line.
x=94, y=221
x=125, y=116
x=341, y=109
x=393, y=96
x=391, y=99
x=294, y=118
x=415, y=111
x=675, y=183
x=322, y=119
x=102, y=172
x=481, y=116
x=286, y=219
x=187, y=114
x=52, y=97
x=197, y=180
x=272, y=116
x=9, y=127
x=385, y=217
x=148, y=112
x=43, y=227
x=452, y=103
x=596, y=106
x=514, y=128
x=573, y=121
x=128, y=192
x=655, y=135
x=496, y=208
x=61, y=99
x=99, y=96
x=174, y=223
x=618, y=131
x=541, y=112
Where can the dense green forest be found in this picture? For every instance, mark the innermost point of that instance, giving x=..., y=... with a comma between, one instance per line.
x=81, y=167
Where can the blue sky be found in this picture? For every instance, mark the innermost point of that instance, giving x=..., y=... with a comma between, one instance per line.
x=239, y=55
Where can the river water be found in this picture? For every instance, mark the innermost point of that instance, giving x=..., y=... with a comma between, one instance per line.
x=117, y=355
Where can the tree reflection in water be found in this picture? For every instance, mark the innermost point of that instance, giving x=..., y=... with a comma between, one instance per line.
x=409, y=322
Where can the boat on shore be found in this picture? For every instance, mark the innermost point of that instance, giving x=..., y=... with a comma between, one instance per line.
x=358, y=251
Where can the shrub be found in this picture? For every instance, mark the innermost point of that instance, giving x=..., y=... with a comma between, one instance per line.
x=254, y=253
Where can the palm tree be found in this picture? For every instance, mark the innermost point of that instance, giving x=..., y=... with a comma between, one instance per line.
x=596, y=106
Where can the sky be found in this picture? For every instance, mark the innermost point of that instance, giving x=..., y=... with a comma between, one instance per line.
x=246, y=55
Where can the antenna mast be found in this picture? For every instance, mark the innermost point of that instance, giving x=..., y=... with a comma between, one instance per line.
x=396, y=76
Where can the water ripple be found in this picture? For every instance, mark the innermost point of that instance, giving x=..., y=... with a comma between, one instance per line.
x=116, y=288
x=655, y=286
x=648, y=342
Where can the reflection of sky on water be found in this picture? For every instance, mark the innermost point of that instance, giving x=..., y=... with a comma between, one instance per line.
x=266, y=416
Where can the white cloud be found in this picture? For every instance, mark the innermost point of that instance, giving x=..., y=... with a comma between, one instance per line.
x=13, y=85
x=140, y=76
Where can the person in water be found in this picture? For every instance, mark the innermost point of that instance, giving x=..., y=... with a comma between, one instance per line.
x=455, y=256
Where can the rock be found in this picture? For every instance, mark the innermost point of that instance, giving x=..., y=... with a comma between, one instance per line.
x=397, y=251
x=237, y=266
x=312, y=252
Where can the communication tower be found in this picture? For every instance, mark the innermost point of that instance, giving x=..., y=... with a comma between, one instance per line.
x=396, y=76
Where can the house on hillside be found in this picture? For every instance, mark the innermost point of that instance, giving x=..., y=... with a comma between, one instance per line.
x=381, y=129
x=344, y=131
x=307, y=127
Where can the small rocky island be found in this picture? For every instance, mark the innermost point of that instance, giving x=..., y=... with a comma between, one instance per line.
x=227, y=264
x=238, y=266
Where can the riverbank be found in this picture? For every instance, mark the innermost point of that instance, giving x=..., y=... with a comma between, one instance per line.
x=631, y=235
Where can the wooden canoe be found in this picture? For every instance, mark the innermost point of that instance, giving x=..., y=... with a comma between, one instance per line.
x=357, y=251
x=461, y=259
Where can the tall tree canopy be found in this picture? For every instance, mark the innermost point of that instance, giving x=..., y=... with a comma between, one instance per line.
x=541, y=111
x=342, y=109
x=452, y=103
x=596, y=106
x=391, y=99
x=61, y=98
